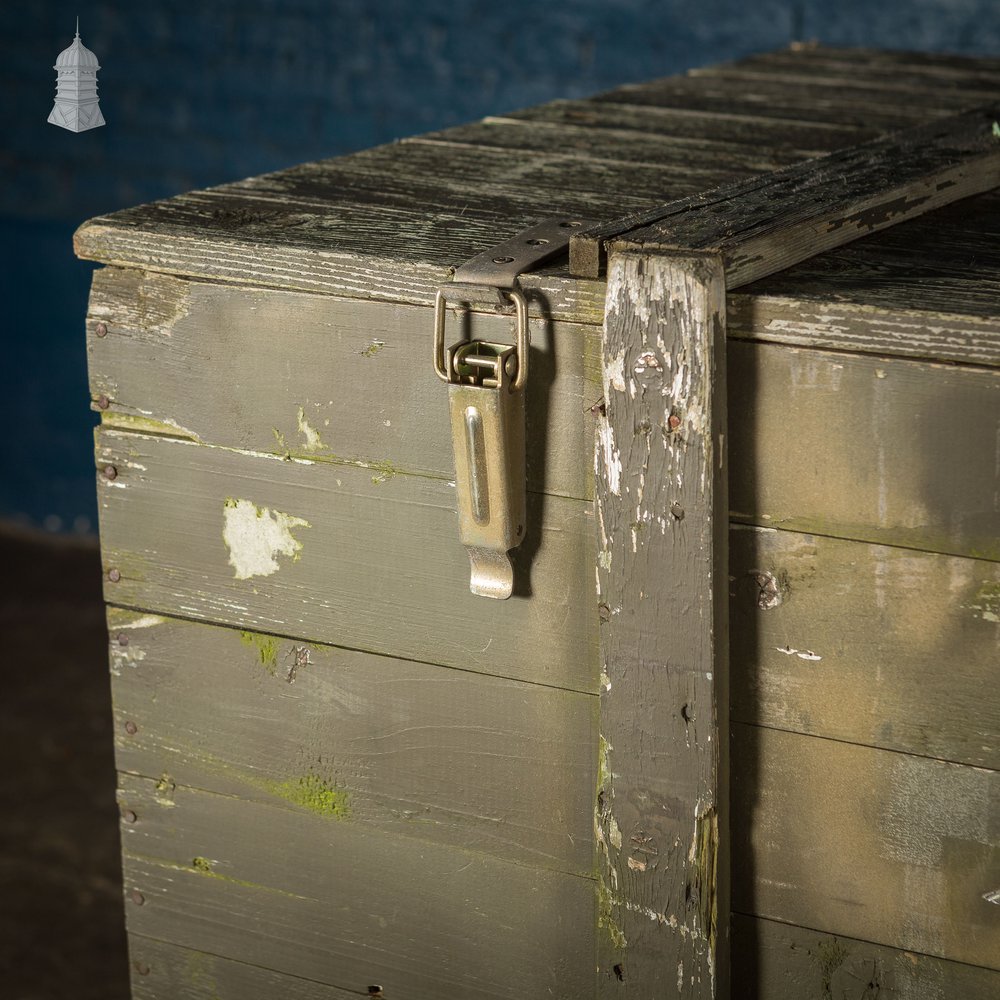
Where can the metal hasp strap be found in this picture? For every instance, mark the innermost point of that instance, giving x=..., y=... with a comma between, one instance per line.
x=486, y=384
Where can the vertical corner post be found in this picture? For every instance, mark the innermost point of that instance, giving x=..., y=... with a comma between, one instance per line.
x=662, y=808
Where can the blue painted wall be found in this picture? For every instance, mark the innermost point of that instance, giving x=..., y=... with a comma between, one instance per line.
x=201, y=93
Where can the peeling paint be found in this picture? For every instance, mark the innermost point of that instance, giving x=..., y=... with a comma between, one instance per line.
x=313, y=442
x=256, y=536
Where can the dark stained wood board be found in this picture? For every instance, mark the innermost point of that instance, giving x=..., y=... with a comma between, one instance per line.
x=775, y=961
x=662, y=823
x=356, y=557
x=349, y=906
x=885, y=847
x=868, y=644
x=161, y=970
x=450, y=756
x=299, y=361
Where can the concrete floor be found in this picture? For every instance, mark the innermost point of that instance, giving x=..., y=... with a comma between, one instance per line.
x=61, y=911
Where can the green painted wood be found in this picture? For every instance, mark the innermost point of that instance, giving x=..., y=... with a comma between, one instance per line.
x=889, y=848
x=324, y=378
x=304, y=371
x=884, y=450
x=869, y=644
x=451, y=756
x=361, y=558
x=324, y=899
x=162, y=971
x=660, y=499
x=774, y=961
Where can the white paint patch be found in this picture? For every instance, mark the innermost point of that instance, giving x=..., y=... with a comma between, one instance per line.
x=993, y=896
x=802, y=654
x=313, y=442
x=611, y=455
x=145, y=621
x=614, y=833
x=615, y=371
x=256, y=536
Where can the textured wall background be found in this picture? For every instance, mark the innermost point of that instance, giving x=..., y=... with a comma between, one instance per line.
x=200, y=93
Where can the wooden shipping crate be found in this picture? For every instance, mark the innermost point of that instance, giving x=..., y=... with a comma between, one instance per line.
x=343, y=773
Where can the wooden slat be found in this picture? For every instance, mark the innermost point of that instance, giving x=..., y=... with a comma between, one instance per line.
x=865, y=643
x=774, y=961
x=660, y=498
x=943, y=263
x=169, y=972
x=881, y=846
x=323, y=378
x=450, y=756
x=824, y=202
x=696, y=127
x=867, y=60
x=884, y=450
x=354, y=557
x=348, y=906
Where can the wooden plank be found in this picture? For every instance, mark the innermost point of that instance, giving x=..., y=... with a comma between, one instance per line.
x=162, y=971
x=881, y=846
x=771, y=97
x=884, y=450
x=681, y=125
x=865, y=643
x=867, y=60
x=344, y=905
x=662, y=816
x=825, y=202
x=618, y=146
x=360, y=558
x=774, y=961
x=302, y=368
x=945, y=262
x=323, y=378
x=455, y=757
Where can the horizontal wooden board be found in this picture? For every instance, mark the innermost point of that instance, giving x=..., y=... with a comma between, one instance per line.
x=884, y=450
x=361, y=558
x=451, y=756
x=344, y=905
x=889, y=848
x=699, y=128
x=162, y=971
x=309, y=376
x=775, y=961
x=865, y=643
x=863, y=106
x=325, y=378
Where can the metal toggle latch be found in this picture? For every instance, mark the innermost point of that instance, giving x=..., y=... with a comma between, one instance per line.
x=486, y=383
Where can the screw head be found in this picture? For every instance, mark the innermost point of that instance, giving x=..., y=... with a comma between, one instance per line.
x=674, y=421
x=110, y=472
x=131, y=728
x=503, y=260
x=129, y=816
x=122, y=639
x=137, y=897
x=101, y=329
x=103, y=402
x=114, y=575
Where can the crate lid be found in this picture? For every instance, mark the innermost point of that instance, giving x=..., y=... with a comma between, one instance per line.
x=390, y=222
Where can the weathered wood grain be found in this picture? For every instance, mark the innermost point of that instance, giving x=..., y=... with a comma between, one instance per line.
x=885, y=450
x=868, y=61
x=348, y=906
x=618, y=146
x=824, y=202
x=868, y=644
x=162, y=971
x=451, y=756
x=700, y=129
x=660, y=498
x=775, y=961
x=885, y=847
x=361, y=558
x=324, y=378
x=308, y=376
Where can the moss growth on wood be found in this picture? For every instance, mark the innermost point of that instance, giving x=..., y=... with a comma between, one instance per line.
x=267, y=649
x=313, y=793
